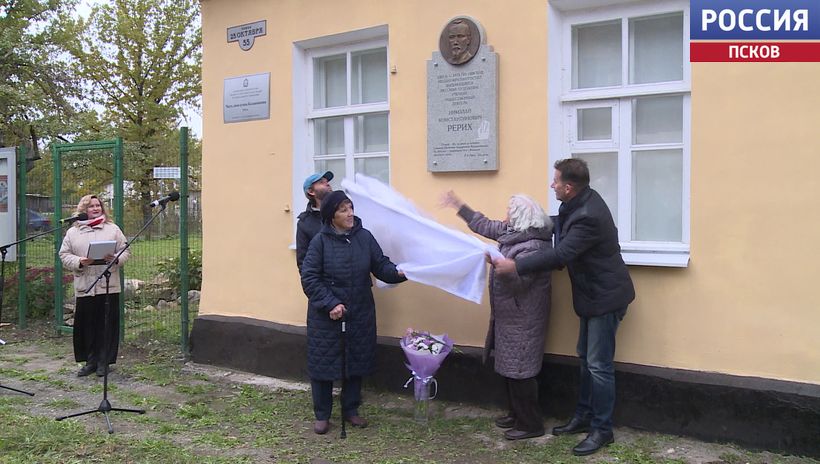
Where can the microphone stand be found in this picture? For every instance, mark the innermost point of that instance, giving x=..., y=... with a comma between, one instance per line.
x=105, y=406
x=3, y=250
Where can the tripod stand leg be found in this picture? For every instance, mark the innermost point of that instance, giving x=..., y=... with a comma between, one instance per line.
x=108, y=422
x=16, y=390
x=138, y=411
x=105, y=405
x=104, y=408
x=2, y=286
x=77, y=414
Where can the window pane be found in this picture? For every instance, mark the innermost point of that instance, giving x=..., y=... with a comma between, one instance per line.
x=656, y=49
x=369, y=76
x=595, y=123
x=657, y=191
x=657, y=120
x=336, y=166
x=603, y=177
x=329, y=135
x=371, y=133
x=329, y=81
x=596, y=55
x=378, y=167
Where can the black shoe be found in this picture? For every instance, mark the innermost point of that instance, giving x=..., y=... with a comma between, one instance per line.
x=86, y=370
x=505, y=422
x=101, y=370
x=593, y=442
x=575, y=425
x=520, y=434
x=356, y=421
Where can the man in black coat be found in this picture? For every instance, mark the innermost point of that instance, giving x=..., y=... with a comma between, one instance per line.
x=316, y=187
x=586, y=242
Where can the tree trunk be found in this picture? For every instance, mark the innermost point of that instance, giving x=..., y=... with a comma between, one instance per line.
x=145, y=202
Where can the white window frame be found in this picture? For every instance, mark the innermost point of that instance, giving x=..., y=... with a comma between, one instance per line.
x=348, y=112
x=564, y=102
x=304, y=53
x=576, y=145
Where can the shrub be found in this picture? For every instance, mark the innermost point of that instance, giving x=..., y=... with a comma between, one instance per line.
x=39, y=291
x=169, y=267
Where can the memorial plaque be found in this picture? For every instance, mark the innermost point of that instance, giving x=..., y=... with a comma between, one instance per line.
x=246, y=98
x=462, y=113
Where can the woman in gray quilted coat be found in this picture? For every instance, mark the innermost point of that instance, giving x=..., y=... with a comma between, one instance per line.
x=519, y=308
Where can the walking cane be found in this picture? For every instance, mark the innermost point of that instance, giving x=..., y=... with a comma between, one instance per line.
x=344, y=369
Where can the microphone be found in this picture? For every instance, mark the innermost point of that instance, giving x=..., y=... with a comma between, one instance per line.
x=79, y=217
x=173, y=196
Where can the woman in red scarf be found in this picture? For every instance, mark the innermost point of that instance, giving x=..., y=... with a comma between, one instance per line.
x=90, y=329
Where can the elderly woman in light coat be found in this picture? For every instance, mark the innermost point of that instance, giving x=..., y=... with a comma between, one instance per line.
x=90, y=329
x=520, y=307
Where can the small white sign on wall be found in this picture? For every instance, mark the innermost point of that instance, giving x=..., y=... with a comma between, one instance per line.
x=246, y=98
x=246, y=33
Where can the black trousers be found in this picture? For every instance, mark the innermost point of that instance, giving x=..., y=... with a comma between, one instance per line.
x=522, y=397
x=322, y=391
x=90, y=331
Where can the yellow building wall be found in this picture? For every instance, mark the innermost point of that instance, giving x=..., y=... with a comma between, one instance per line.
x=747, y=304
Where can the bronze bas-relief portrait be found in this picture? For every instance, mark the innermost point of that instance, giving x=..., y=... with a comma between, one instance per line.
x=459, y=41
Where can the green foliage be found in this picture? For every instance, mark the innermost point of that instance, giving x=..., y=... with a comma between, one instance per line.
x=196, y=389
x=39, y=94
x=169, y=267
x=39, y=292
x=194, y=411
x=63, y=404
x=142, y=59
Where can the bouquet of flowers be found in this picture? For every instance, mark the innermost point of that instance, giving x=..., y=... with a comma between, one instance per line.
x=425, y=353
x=424, y=343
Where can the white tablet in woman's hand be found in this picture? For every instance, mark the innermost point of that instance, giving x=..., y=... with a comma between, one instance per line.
x=98, y=250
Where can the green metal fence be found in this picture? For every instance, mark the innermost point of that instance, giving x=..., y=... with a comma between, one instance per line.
x=62, y=208
x=155, y=307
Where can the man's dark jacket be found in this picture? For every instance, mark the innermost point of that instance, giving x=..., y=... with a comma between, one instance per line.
x=587, y=244
x=308, y=225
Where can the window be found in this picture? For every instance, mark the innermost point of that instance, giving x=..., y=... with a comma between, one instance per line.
x=623, y=106
x=347, y=116
x=341, y=114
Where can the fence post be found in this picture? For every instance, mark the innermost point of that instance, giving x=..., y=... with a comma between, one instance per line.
x=58, y=239
x=22, y=223
x=183, y=236
x=118, y=219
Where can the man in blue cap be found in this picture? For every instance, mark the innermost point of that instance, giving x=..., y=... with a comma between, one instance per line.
x=316, y=187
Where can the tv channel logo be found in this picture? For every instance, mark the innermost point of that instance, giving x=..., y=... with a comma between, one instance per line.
x=754, y=30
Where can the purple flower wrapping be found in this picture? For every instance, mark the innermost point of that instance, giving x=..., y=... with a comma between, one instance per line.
x=424, y=364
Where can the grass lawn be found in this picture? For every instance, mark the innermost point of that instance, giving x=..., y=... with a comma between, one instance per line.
x=200, y=414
